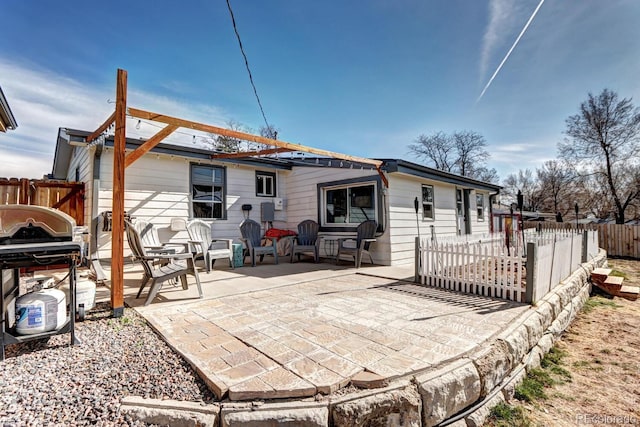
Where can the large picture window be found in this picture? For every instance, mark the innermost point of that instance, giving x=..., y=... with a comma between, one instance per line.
x=208, y=188
x=265, y=184
x=351, y=204
x=427, y=202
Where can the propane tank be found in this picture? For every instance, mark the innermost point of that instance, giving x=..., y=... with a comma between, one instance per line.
x=41, y=311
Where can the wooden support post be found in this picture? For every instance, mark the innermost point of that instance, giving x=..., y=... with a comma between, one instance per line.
x=117, y=233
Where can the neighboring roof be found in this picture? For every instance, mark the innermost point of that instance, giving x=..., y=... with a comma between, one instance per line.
x=403, y=166
x=7, y=121
x=69, y=137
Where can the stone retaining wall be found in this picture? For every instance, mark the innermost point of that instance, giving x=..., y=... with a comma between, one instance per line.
x=470, y=385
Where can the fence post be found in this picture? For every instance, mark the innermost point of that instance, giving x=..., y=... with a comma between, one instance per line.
x=24, y=192
x=531, y=285
x=585, y=246
x=416, y=262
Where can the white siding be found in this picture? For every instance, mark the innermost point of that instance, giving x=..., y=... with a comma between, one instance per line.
x=403, y=189
x=302, y=200
x=157, y=189
x=480, y=226
x=82, y=160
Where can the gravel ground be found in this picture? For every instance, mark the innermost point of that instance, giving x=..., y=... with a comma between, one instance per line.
x=53, y=383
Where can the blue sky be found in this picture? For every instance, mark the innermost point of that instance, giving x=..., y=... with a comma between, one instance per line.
x=361, y=78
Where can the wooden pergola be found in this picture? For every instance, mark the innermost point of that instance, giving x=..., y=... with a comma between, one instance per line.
x=122, y=160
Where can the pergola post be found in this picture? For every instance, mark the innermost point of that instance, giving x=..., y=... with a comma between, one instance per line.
x=117, y=230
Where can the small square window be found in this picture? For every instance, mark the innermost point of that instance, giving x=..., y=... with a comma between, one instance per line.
x=265, y=184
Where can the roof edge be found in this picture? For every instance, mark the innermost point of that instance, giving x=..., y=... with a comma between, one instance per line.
x=6, y=113
x=404, y=166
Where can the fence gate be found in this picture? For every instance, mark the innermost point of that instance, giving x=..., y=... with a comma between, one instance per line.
x=65, y=196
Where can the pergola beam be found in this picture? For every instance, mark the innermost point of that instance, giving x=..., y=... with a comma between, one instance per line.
x=102, y=128
x=147, y=115
x=148, y=145
x=242, y=154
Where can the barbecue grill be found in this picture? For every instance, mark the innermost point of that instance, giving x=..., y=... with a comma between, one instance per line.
x=35, y=236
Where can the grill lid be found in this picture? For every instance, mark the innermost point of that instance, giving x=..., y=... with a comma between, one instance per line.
x=34, y=224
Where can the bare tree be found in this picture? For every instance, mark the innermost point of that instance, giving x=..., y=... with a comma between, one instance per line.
x=555, y=183
x=485, y=174
x=437, y=150
x=603, y=140
x=269, y=131
x=463, y=153
x=471, y=152
x=226, y=144
x=524, y=182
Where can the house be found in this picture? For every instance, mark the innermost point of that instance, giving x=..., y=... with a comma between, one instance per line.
x=173, y=181
x=7, y=121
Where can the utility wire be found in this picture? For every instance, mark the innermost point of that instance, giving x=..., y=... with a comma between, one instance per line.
x=246, y=63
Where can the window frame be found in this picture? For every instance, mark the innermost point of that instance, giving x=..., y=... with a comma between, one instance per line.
x=432, y=203
x=214, y=184
x=270, y=175
x=348, y=183
x=481, y=206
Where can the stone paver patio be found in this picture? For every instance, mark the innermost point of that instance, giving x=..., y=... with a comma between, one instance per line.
x=314, y=336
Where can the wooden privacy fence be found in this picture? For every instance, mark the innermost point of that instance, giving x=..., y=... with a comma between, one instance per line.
x=619, y=240
x=488, y=268
x=65, y=196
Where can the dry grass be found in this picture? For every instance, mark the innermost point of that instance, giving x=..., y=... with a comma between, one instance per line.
x=602, y=354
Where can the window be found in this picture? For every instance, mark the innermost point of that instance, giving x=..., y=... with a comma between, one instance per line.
x=265, y=184
x=480, y=206
x=459, y=205
x=350, y=204
x=427, y=202
x=208, y=188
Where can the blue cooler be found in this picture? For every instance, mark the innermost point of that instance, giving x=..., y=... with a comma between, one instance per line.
x=238, y=259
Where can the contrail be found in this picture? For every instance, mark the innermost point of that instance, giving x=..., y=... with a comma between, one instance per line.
x=515, y=43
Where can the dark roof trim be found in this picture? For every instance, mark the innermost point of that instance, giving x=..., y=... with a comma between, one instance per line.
x=5, y=113
x=402, y=166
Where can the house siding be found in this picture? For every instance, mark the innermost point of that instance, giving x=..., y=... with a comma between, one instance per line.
x=403, y=229
x=81, y=160
x=157, y=189
x=302, y=203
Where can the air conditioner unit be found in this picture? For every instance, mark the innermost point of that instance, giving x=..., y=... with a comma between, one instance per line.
x=278, y=203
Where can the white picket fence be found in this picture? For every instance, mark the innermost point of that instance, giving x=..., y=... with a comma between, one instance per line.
x=479, y=267
x=483, y=265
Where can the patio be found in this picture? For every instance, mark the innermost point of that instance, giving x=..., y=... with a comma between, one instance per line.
x=295, y=330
